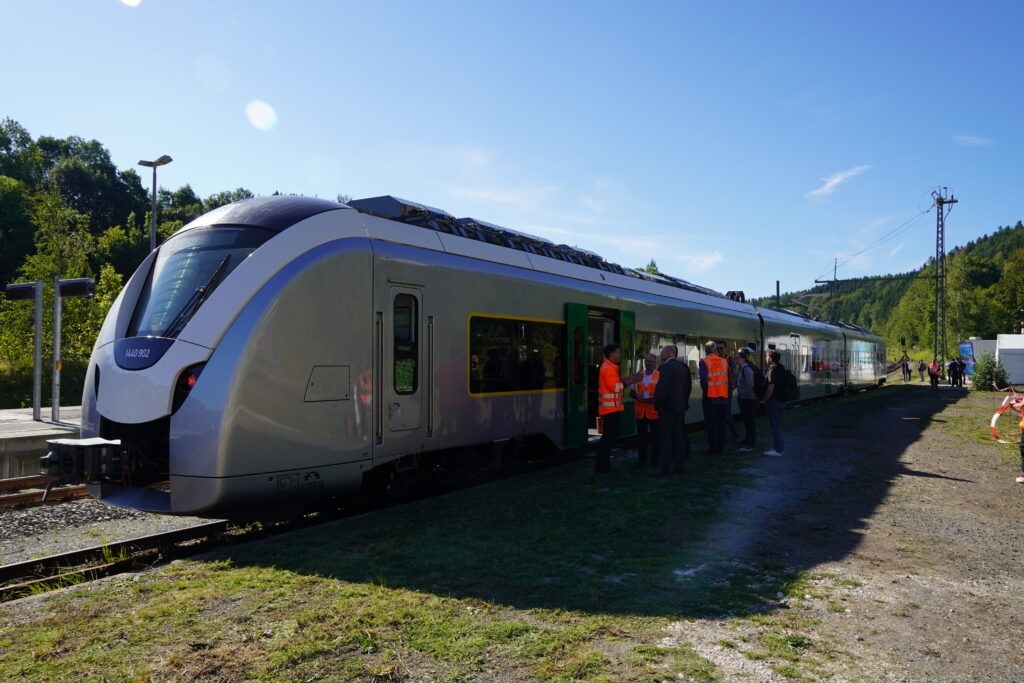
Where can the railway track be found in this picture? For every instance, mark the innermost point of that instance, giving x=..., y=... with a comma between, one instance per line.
x=22, y=491
x=88, y=564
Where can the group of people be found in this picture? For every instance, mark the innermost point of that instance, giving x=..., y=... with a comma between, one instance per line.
x=662, y=397
x=956, y=370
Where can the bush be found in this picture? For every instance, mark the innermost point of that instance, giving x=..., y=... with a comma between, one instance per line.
x=16, y=384
x=988, y=371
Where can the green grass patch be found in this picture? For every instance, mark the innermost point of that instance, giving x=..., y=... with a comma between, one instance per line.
x=558, y=575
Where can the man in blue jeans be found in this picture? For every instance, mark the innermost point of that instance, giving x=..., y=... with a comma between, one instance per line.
x=775, y=401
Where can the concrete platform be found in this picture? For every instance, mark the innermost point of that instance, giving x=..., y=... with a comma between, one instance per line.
x=23, y=440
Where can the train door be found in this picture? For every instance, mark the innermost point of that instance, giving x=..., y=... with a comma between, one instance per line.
x=404, y=333
x=588, y=331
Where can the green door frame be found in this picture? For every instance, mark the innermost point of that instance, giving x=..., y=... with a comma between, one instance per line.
x=577, y=317
x=627, y=339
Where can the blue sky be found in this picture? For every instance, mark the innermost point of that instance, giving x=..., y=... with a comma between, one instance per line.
x=735, y=143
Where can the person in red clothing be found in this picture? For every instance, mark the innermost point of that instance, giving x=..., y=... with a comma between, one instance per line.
x=1018, y=405
x=646, y=415
x=610, y=389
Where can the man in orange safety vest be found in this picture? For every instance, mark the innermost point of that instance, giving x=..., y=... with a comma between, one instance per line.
x=610, y=389
x=646, y=415
x=714, y=381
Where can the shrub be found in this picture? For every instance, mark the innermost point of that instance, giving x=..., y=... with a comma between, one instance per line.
x=988, y=371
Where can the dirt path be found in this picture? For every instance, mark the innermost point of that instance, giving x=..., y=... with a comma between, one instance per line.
x=912, y=537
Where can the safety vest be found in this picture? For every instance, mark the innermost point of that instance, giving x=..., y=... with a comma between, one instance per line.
x=644, y=406
x=718, y=377
x=609, y=389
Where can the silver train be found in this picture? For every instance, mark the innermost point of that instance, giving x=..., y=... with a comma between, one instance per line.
x=283, y=351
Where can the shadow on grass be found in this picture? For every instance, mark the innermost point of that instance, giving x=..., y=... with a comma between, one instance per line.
x=724, y=539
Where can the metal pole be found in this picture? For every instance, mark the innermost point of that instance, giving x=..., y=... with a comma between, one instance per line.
x=37, y=363
x=55, y=404
x=152, y=215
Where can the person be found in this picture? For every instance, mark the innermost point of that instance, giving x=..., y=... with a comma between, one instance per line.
x=609, y=405
x=921, y=367
x=646, y=413
x=1018, y=405
x=714, y=382
x=952, y=372
x=745, y=381
x=775, y=401
x=671, y=399
x=905, y=364
x=730, y=364
x=934, y=372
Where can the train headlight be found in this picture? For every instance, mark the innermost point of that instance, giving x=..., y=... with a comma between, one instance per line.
x=183, y=387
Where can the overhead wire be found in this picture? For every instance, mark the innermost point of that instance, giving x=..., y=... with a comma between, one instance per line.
x=906, y=225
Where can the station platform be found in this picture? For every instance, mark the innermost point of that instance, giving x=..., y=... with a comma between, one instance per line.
x=23, y=440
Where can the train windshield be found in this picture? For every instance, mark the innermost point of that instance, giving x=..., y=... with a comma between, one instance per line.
x=186, y=271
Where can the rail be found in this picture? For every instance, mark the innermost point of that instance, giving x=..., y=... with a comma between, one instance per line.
x=78, y=566
x=21, y=491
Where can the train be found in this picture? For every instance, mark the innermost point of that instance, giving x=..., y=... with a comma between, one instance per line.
x=283, y=352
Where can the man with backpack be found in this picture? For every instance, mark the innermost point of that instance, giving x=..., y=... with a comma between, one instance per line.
x=777, y=385
x=749, y=386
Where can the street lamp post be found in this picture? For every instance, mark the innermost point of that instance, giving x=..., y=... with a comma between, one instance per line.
x=152, y=213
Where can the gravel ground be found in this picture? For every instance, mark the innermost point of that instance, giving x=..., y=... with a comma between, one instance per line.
x=909, y=524
x=32, y=532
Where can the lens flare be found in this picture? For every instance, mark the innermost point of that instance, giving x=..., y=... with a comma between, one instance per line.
x=261, y=115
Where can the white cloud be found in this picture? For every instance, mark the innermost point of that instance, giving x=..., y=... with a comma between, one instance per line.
x=971, y=141
x=836, y=179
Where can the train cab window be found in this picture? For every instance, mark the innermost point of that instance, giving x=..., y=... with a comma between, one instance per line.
x=187, y=269
x=406, y=348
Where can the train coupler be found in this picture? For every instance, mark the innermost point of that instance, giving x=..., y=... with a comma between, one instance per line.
x=74, y=461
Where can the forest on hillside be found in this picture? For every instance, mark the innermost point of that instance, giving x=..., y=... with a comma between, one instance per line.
x=984, y=297
x=66, y=211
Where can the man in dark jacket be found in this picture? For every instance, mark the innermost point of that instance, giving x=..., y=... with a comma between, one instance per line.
x=671, y=399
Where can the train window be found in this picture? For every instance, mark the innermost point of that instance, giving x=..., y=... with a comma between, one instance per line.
x=187, y=269
x=406, y=348
x=507, y=355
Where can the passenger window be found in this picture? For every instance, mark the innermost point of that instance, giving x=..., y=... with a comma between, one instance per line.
x=406, y=349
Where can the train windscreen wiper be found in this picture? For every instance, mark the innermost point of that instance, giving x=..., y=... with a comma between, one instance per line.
x=196, y=300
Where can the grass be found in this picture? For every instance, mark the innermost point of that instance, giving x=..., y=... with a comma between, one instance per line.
x=557, y=575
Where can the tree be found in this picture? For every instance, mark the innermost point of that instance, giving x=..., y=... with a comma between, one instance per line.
x=20, y=157
x=16, y=227
x=223, y=198
x=969, y=285
x=988, y=371
x=1007, y=295
x=91, y=184
x=182, y=205
x=63, y=246
x=123, y=248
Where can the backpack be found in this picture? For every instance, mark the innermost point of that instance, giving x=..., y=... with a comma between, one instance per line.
x=792, y=390
x=785, y=384
x=758, y=380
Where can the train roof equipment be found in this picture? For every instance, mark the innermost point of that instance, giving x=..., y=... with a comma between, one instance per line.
x=412, y=213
